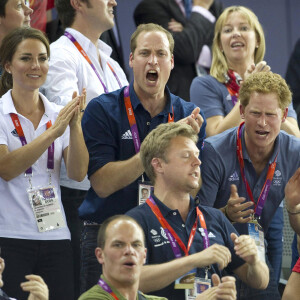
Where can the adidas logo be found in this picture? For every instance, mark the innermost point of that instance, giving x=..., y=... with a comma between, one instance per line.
x=211, y=235
x=234, y=177
x=127, y=135
x=14, y=133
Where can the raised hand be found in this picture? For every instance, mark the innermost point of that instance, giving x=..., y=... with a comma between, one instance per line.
x=235, y=208
x=260, y=67
x=36, y=287
x=215, y=254
x=245, y=248
x=195, y=120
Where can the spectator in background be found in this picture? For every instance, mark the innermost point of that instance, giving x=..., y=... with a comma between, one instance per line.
x=292, y=77
x=69, y=70
x=39, y=15
x=191, y=23
x=13, y=14
x=35, y=285
x=292, y=288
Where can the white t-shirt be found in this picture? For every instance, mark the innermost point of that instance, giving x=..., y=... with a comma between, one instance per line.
x=69, y=71
x=16, y=215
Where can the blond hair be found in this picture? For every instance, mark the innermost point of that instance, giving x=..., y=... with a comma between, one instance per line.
x=157, y=142
x=219, y=65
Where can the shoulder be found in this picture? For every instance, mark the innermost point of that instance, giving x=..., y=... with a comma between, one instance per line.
x=226, y=138
x=139, y=213
x=95, y=293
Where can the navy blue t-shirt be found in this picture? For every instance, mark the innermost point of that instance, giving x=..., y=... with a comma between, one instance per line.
x=108, y=138
x=159, y=249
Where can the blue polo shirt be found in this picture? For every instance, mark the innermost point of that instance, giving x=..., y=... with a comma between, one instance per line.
x=220, y=168
x=108, y=138
x=159, y=249
x=214, y=99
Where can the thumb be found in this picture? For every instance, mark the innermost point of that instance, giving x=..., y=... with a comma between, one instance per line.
x=233, y=191
x=215, y=279
x=233, y=237
x=74, y=95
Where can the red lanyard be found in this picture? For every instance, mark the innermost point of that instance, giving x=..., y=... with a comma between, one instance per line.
x=19, y=129
x=132, y=120
x=265, y=190
x=171, y=234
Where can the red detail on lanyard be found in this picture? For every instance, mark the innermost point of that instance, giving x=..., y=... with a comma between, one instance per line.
x=166, y=225
x=270, y=173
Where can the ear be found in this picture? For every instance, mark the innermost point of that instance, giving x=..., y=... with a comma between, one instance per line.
x=76, y=4
x=242, y=111
x=172, y=62
x=7, y=67
x=145, y=256
x=99, y=255
x=130, y=59
x=284, y=116
x=157, y=165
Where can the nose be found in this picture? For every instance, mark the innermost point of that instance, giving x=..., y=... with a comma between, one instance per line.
x=236, y=33
x=262, y=120
x=27, y=10
x=197, y=161
x=35, y=64
x=152, y=59
x=129, y=250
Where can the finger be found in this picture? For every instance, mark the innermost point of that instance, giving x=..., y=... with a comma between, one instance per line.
x=195, y=112
x=234, y=237
x=193, y=123
x=34, y=277
x=215, y=279
x=234, y=201
x=233, y=191
x=74, y=95
x=243, y=220
x=228, y=278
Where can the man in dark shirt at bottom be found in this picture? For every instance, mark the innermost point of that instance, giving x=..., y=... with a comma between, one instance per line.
x=182, y=236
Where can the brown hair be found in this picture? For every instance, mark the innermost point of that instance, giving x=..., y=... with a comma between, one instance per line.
x=9, y=47
x=149, y=28
x=266, y=83
x=156, y=143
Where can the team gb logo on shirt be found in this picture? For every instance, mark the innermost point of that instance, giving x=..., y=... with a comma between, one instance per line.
x=277, y=179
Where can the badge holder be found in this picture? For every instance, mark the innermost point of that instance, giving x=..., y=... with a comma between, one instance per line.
x=200, y=286
x=256, y=233
x=145, y=189
x=45, y=206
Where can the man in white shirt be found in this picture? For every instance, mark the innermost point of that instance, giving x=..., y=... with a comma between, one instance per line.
x=70, y=70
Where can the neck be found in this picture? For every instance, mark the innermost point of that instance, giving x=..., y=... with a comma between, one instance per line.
x=173, y=199
x=153, y=103
x=129, y=291
x=240, y=67
x=88, y=31
x=26, y=102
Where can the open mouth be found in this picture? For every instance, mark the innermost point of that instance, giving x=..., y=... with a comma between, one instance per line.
x=237, y=45
x=152, y=75
x=33, y=76
x=262, y=132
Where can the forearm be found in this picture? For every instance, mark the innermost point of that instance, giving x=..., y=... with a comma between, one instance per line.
x=78, y=157
x=156, y=277
x=116, y=175
x=14, y=163
x=295, y=221
x=218, y=124
x=290, y=126
x=258, y=275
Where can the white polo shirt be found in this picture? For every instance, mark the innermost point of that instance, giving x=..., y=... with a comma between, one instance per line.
x=16, y=215
x=69, y=71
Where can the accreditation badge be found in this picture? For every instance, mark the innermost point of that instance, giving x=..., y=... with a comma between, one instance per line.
x=200, y=286
x=46, y=208
x=145, y=189
x=255, y=231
